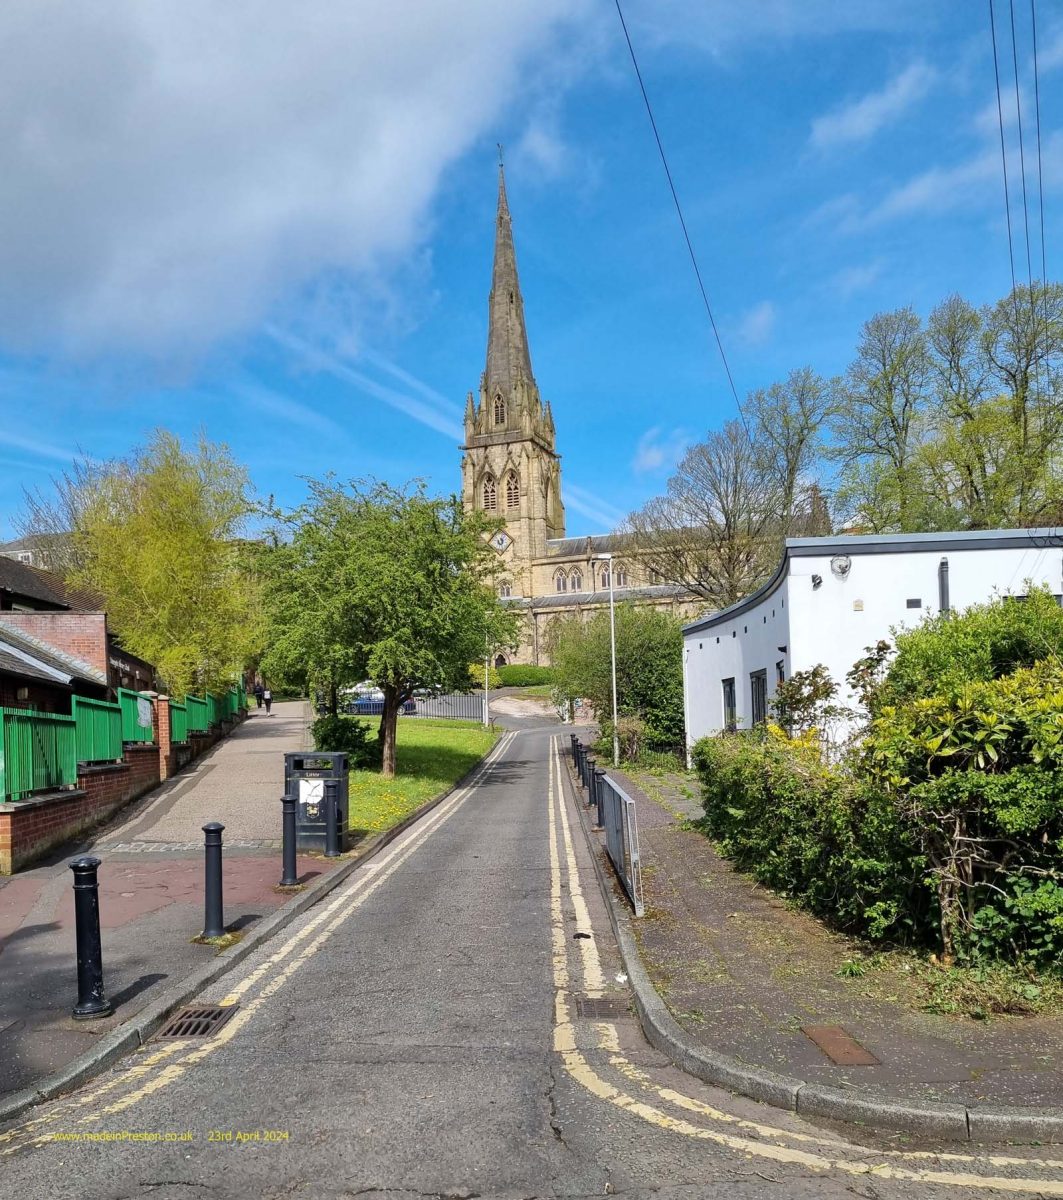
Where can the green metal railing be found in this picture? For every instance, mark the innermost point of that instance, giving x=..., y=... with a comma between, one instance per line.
x=38, y=752
x=241, y=696
x=178, y=722
x=134, y=706
x=198, y=716
x=98, y=725
x=213, y=714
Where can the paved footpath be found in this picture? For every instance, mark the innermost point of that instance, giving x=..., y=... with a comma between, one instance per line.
x=151, y=895
x=450, y=1023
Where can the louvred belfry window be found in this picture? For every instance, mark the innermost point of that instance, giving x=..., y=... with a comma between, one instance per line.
x=490, y=494
x=500, y=410
x=512, y=490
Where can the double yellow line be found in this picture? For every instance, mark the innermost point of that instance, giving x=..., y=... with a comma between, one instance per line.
x=846, y=1159
x=161, y=1067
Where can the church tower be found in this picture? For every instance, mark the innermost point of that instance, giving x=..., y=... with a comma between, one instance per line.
x=510, y=468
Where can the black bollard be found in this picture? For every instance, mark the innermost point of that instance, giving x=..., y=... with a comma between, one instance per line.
x=574, y=741
x=332, y=818
x=592, y=789
x=288, y=867
x=91, y=1000
x=599, y=789
x=213, y=921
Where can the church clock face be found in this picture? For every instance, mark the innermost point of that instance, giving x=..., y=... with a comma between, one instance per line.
x=501, y=541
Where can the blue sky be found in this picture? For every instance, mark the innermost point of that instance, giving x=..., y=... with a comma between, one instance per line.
x=280, y=230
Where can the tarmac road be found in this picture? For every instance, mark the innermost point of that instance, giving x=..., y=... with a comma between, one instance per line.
x=421, y=1033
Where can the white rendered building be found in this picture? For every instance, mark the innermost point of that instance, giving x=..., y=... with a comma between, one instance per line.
x=833, y=597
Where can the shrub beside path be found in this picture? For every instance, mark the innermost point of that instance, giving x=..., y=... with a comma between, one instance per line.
x=746, y=975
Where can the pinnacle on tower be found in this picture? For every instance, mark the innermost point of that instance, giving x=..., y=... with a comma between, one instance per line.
x=508, y=357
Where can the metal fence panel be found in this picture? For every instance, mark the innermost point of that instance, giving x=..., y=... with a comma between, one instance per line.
x=98, y=729
x=622, y=838
x=198, y=714
x=178, y=722
x=38, y=752
x=136, y=716
x=458, y=706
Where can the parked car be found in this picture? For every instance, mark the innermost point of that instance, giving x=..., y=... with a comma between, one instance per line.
x=368, y=706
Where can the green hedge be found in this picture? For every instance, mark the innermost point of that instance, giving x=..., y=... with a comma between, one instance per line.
x=521, y=676
x=811, y=832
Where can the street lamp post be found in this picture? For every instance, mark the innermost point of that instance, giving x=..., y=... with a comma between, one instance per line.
x=612, y=655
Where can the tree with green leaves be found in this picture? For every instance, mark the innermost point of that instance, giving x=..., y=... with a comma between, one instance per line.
x=161, y=536
x=388, y=584
x=649, y=669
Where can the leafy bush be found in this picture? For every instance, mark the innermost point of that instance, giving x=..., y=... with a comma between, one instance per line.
x=976, y=771
x=524, y=676
x=350, y=735
x=649, y=668
x=811, y=831
x=985, y=642
x=476, y=677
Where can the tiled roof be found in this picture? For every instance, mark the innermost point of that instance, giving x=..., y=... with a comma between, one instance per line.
x=12, y=664
x=46, y=587
x=663, y=591
x=12, y=639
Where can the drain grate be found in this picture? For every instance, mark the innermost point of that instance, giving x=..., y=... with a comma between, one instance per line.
x=199, y=1021
x=602, y=1009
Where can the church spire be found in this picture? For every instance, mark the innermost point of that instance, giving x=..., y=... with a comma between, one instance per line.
x=508, y=357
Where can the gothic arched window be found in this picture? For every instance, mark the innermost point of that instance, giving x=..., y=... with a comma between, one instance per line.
x=576, y=581
x=620, y=577
x=505, y=590
x=605, y=576
x=500, y=410
x=512, y=490
x=490, y=494
x=561, y=582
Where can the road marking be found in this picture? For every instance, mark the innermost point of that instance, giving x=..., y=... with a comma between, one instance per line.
x=858, y=1164
x=352, y=895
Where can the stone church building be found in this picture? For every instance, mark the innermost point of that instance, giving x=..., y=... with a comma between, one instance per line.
x=511, y=469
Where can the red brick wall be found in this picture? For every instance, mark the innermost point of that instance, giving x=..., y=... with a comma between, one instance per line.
x=82, y=634
x=42, y=696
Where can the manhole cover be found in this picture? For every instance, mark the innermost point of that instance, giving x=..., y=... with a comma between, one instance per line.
x=602, y=1009
x=200, y=1021
x=840, y=1046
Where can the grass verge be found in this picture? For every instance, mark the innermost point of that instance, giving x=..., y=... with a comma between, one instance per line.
x=431, y=757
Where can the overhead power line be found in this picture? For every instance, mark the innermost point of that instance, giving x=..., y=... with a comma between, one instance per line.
x=1037, y=113
x=678, y=207
x=1022, y=152
x=1003, y=153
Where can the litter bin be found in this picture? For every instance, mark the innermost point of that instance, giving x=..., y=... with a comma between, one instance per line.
x=305, y=773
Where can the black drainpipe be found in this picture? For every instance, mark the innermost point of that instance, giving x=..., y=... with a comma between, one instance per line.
x=943, y=586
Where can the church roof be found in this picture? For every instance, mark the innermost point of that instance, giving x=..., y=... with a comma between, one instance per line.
x=661, y=591
x=599, y=543
x=508, y=356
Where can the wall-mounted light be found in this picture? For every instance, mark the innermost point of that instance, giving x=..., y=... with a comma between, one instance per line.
x=781, y=649
x=817, y=581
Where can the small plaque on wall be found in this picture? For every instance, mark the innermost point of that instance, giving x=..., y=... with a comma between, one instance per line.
x=858, y=606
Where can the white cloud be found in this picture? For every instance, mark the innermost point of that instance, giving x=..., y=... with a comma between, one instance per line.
x=658, y=450
x=757, y=324
x=441, y=415
x=39, y=449
x=857, y=278
x=291, y=412
x=861, y=119
x=720, y=25
x=172, y=172
x=936, y=190
x=591, y=506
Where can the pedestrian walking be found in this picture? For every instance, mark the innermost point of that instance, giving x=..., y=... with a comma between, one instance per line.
x=259, y=692
x=267, y=698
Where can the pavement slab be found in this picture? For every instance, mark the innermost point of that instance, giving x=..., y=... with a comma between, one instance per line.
x=151, y=896
x=746, y=974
